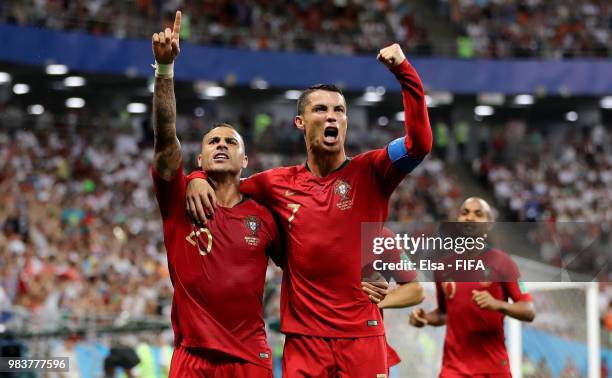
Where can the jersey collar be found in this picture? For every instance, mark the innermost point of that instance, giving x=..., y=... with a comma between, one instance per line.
x=344, y=164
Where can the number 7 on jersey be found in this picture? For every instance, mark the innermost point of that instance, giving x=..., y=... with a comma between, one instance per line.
x=295, y=207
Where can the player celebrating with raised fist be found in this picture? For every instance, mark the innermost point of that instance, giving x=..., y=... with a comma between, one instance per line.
x=217, y=271
x=332, y=328
x=473, y=312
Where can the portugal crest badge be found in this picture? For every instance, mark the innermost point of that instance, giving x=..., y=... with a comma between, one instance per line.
x=343, y=190
x=253, y=224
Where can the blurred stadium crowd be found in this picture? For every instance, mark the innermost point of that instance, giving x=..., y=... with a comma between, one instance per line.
x=561, y=176
x=481, y=28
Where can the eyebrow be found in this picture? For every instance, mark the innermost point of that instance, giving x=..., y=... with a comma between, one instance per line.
x=211, y=138
x=315, y=106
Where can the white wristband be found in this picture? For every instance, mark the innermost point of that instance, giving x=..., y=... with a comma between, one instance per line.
x=165, y=71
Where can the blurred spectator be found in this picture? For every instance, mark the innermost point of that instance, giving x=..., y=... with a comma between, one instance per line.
x=462, y=137
x=440, y=132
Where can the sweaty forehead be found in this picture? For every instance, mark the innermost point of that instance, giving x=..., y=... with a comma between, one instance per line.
x=328, y=98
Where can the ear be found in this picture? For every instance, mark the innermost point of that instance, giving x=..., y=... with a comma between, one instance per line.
x=200, y=160
x=299, y=122
x=245, y=162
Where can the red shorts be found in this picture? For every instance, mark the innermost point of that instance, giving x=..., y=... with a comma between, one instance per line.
x=194, y=363
x=392, y=357
x=314, y=357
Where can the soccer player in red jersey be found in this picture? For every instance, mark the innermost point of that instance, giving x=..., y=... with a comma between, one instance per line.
x=217, y=271
x=331, y=327
x=473, y=312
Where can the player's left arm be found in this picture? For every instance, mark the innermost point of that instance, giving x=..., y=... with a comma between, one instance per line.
x=521, y=308
x=406, y=295
x=408, y=151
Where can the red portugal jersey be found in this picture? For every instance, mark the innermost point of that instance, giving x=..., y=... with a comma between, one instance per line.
x=218, y=273
x=475, y=341
x=321, y=218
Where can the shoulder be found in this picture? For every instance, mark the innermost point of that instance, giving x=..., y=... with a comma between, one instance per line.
x=500, y=256
x=278, y=172
x=387, y=233
x=369, y=155
x=503, y=264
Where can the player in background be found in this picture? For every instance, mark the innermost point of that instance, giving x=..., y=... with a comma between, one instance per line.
x=331, y=327
x=473, y=312
x=217, y=271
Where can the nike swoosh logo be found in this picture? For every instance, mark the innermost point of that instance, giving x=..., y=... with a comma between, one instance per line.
x=289, y=193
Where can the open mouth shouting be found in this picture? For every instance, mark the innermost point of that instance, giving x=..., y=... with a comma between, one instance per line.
x=330, y=135
x=220, y=156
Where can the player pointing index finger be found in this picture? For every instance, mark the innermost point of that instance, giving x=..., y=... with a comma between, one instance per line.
x=177, y=25
x=176, y=32
x=218, y=325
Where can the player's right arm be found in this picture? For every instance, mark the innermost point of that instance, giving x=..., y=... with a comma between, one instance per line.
x=401, y=156
x=406, y=295
x=200, y=195
x=420, y=318
x=168, y=156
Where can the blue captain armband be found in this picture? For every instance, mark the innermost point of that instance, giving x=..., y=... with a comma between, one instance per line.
x=399, y=156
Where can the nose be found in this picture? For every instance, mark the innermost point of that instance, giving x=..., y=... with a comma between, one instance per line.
x=466, y=218
x=331, y=117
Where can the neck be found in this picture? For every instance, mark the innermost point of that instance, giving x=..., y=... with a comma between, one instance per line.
x=227, y=188
x=323, y=164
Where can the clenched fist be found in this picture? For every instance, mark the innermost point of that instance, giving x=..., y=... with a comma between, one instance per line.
x=166, y=43
x=391, y=56
x=418, y=318
x=486, y=301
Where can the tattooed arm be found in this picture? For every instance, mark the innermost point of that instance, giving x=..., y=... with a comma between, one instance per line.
x=168, y=154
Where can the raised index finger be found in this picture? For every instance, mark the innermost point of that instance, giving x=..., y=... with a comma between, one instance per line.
x=177, y=24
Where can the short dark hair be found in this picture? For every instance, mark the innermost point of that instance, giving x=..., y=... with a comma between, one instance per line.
x=301, y=104
x=222, y=124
